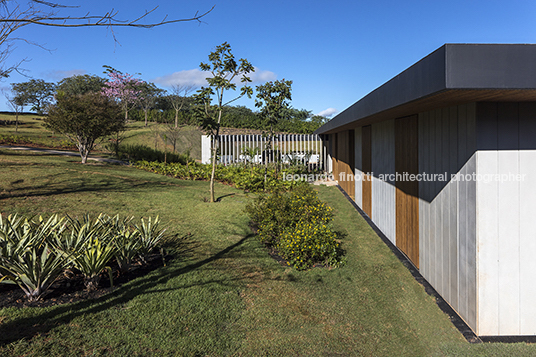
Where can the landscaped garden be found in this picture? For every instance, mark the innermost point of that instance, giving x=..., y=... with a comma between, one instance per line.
x=218, y=291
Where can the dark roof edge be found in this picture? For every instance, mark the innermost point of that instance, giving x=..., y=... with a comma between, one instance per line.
x=452, y=66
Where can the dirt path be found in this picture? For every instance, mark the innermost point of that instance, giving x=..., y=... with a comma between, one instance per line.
x=63, y=153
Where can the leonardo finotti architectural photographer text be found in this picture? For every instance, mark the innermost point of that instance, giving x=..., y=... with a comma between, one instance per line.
x=405, y=176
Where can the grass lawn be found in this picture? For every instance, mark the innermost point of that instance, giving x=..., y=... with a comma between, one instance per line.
x=222, y=294
x=31, y=129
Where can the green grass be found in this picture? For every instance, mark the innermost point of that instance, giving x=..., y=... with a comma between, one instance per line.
x=31, y=128
x=222, y=294
x=189, y=138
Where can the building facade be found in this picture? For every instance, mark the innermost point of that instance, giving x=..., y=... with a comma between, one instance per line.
x=442, y=158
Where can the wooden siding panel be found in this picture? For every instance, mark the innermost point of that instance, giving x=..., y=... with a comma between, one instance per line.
x=407, y=192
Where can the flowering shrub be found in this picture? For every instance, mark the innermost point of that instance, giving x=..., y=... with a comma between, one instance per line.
x=298, y=225
x=308, y=243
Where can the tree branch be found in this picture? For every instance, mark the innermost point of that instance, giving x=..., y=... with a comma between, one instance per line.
x=15, y=14
x=107, y=20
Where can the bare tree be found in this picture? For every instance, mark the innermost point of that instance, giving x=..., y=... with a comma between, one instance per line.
x=173, y=133
x=149, y=94
x=16, y=103
x=15, y=14
x=178, y=98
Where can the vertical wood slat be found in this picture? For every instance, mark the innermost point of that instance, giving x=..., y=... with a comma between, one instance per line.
x=407, y=191
x=366, y=162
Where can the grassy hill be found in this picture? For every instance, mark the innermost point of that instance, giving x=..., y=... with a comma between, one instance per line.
x=31, y=132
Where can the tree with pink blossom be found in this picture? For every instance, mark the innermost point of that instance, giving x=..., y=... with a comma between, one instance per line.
x=124, y=88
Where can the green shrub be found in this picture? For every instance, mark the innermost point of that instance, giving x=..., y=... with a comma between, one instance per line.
x=137, y=152
x=298, y=225
x=14, y=139
x=248, y=178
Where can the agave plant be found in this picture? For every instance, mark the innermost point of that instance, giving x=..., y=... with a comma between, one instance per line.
x=126, y=240
x=149, y=236
x=90, y=248
x=26, y=259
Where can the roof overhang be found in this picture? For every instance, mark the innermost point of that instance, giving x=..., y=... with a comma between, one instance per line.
x=453, y=74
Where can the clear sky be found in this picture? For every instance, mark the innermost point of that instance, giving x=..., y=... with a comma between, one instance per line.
x=335, y=52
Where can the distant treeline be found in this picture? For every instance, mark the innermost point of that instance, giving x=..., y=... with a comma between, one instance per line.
x=297, y=121
x=157, y=105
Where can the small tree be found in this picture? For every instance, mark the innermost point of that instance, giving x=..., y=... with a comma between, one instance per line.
x=149, y=94
x=84, y=119
x=81, y=84
x=224, y=70
x=272, y=99
x=36, y=92
x=178, y=98
x=123, y=88
x=16, y=103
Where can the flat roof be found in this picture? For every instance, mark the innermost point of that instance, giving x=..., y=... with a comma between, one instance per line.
x=453, y=74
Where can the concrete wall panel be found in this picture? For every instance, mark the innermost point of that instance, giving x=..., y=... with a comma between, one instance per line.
x=358, y=168
x=383, y=187
x=448, y=217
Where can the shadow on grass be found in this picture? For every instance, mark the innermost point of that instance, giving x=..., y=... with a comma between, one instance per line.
x=51, y=185
x=222, y=197
x=26, y=328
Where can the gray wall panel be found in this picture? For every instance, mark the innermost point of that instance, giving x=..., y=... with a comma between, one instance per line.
x=383, y=187
x=358, y=168
x=448, y=221
x=453, y=208
x=471, y=246
x=446, y=202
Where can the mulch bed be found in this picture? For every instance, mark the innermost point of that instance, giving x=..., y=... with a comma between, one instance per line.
x=71, y=289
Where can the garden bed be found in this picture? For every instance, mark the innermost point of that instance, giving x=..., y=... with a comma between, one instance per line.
x=69, y=287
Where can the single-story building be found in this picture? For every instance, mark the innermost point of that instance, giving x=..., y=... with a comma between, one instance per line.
x=442, y=158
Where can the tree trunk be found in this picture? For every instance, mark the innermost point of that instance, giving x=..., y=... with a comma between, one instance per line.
x=83, y=148
x=215, y=151
x=176, y=118
x=84, y=156
x=145, y=117
x=213, y=173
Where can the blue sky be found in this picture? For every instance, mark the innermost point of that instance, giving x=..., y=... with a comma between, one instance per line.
x=335, y=52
